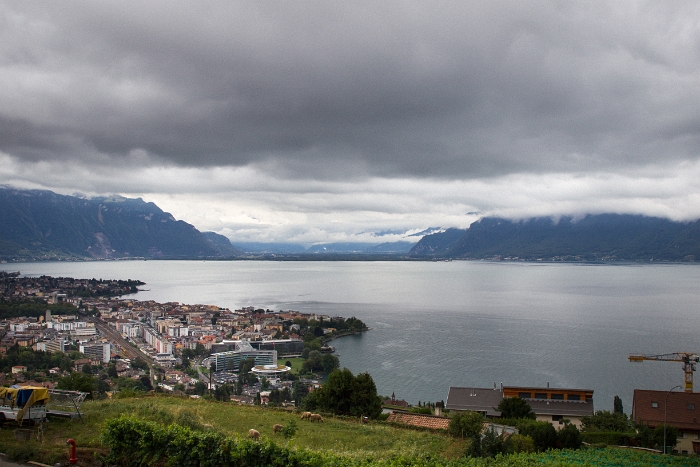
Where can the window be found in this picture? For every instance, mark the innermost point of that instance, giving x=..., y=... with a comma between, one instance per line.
x=691, y=406
x=558, y=397
x=654, y=405
x=540, y=395
x=574, y=397
x=556, y=418
x=524, y=395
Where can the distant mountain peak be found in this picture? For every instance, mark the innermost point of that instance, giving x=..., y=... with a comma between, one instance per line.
x=46, y=225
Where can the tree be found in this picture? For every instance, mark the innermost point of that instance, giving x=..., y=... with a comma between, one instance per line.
x=515, y=407
x=604, y=420
x=569, y=437
x=276, y=396
x=299, y=392
x=466, y=424
x=329, y=363
x=128, y=384
x=223, y=393
x=101, y=386
x=543, y=434
x=244, y=373
x=346, y=394
x=617, y=405
x=77, y=381
x=316, y=361
x=146, y=382
x=185, y=363
x=519, y=443
x=654, y=438
x=365, y=400
x=139, y=364
x=492, y=444
x=200, y=388
x=285, y=395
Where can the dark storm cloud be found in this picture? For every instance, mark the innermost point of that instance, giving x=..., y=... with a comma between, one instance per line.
x=457, y=89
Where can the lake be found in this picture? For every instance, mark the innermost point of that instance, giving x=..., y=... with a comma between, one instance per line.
x=459, y=323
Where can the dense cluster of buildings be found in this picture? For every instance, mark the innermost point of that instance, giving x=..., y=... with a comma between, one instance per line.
x=160, y=330
x=165, y=328
x=232, y=337
x=66, y=289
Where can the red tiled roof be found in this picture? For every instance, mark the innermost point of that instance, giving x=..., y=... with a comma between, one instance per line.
x=424, y=421
x=682, y=411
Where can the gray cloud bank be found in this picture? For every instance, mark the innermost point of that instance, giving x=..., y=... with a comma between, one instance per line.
x=519, y=100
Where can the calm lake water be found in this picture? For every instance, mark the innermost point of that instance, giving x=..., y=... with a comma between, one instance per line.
x=460, y=323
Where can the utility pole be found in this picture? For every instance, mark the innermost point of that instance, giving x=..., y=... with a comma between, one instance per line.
x=665, y=404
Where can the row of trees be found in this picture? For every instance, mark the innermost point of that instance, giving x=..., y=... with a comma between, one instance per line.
x=318, y=362
x=37, y=360
x=33, y=307
x=532, y=435
x=97, y=385
x=541, y=436
x=616, y=427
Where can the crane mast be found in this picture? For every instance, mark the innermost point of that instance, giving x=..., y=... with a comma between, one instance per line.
x=688, y=359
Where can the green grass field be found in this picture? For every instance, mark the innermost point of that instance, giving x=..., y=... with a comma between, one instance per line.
x=343, y=437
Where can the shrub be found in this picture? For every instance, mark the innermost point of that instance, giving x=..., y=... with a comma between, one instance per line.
x=189, y=420
x=542, y=433
x=290, y=429
x=569, y=437
x=466, y=424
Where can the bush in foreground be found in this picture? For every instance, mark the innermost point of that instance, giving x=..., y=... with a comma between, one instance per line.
x=137, y=443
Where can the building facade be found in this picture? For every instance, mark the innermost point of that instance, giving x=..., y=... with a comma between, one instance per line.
x=97, y=351
x=679, y=409
x=557, y=406
x=231, y=360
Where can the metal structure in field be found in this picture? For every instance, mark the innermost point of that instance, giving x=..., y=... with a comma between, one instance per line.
x=65, y=403
x=34, y=404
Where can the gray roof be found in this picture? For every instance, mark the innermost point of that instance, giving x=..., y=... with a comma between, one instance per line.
x=483, y=400
x=565, y=408
x=486, y=400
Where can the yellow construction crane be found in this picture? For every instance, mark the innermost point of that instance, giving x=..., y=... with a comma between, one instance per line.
x=686, y=358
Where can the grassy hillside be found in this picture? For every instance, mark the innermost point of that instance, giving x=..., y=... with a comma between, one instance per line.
x=345, y=437
x=346, y=440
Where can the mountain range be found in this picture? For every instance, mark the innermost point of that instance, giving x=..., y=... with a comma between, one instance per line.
x=603, y=237
x=37, y=224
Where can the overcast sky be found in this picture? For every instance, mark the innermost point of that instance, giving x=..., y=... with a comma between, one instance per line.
x=318, y=121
